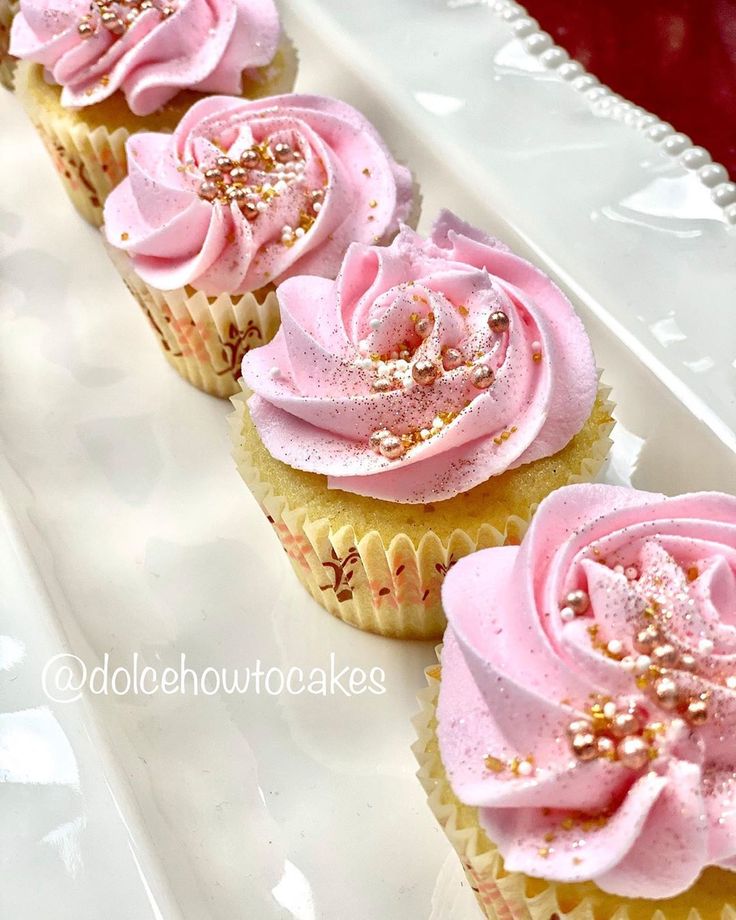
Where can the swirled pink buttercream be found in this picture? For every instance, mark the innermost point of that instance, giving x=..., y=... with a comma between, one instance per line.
x=429, y=366
x=149, y=49
x=588, y=697
x=249, y=193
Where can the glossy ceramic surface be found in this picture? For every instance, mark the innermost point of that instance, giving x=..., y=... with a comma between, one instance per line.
x=126, y=533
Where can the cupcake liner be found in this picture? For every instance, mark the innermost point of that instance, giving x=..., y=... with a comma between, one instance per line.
x=393, y=589
x=504, y=895
x=8, y=9
x=204, y=338
x=91, y=161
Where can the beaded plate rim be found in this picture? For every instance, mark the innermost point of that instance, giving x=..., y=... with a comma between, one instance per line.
x=604, y=101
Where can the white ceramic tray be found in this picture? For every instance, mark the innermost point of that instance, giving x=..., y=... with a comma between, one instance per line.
x=125, y=531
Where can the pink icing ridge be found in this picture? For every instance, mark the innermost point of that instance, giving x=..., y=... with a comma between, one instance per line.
x=515, y=674
x=176, y=238
x=319, y=411
x=204, y=45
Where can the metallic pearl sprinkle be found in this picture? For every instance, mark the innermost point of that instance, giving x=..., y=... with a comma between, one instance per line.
x=482, y=376
x=425, y=372
x=633, y=753
x=378, y=437
x=646, y=639
x=697, y=712
x=585, y=746
x=224, y=163
x=567, y=614
x=381, y=385
x=85, y=29
x=687, y=662
x=667, y=693
x=625, y=723
x=451, y=359
x=665, y=655
x=282, y=152
x=498, y=321
x=578, y=600
x=423, y=327
x=392, y=447
x=208, y=191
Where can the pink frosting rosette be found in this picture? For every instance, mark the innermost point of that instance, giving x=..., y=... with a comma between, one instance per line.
x=246, y=193
x=427, y=367
x=588, y=697
x=149, y=49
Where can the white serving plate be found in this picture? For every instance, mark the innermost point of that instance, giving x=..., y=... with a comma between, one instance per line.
x=124, y=528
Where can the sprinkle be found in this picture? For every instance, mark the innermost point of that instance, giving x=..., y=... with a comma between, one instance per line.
x=123, y=236
x=366, y=171
x=494, y=764
x=373, y=203
x=706, y=646
x=374, y=323
x=274, y=373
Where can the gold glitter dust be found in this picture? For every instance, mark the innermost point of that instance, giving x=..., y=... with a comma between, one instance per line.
x=544, y=852
x=692, y=573
x=463, y=310
x=366, y=171
x=550, y=837
x=373, y=203
x=123, y=236
x=576, y=860
x=434, y=673
x=536, y=357
x=567, y=824
x=494, y=764
x=371, y=217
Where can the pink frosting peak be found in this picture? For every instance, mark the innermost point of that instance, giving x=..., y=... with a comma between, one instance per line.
x=588, y=697
x=246, y=193
x=429, y=366
x=149, y=49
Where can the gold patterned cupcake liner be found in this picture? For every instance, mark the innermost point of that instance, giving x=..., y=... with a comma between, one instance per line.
x=503, y=895
x=204, y=338
x=8, y=9
x=390, y=587
x=90, y=159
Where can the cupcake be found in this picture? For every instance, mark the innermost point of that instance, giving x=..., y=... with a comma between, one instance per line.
x=94, y=73
x=8, y=9
x=240, y=197
x=579, y=756
x=415, y=410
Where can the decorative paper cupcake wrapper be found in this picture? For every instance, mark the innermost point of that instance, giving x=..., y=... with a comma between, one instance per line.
x=8, y=9
x=204, y=338
x=503, y=895
x=91, y=162
x=392, y=590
